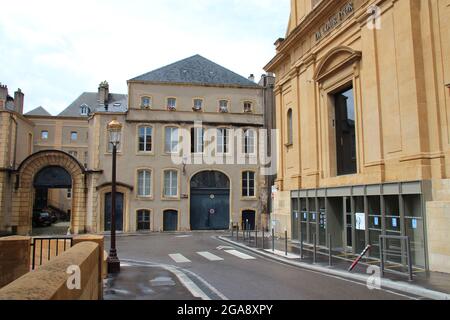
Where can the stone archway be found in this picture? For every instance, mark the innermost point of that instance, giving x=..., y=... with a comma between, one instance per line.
x=23, y=194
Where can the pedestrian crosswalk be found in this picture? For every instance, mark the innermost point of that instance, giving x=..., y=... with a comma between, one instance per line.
x=208, y=256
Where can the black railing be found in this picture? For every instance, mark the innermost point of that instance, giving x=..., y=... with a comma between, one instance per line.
x=43, y=249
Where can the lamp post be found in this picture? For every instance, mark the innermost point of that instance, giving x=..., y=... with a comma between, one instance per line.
x=115, y=131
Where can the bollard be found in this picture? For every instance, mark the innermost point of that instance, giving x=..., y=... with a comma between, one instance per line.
x=286, y=242
x=301, y=246
x=315, y=249
x=237, y=233
x=330, y=251
x=232, y=230
x=243, y=233
x=256, y=237
x=273, y=239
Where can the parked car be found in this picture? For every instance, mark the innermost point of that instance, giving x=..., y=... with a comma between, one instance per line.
x=54, y=217
x=42, y=219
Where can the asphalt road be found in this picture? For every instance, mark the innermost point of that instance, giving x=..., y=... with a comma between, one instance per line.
x=239, y=275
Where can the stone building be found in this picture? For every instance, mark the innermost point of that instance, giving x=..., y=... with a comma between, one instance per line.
x=363, y=113
x=188, y=159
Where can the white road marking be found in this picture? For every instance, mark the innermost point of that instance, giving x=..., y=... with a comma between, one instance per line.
x=240, y=255
x=210, y=256
x=184, y=236
x=179, y=258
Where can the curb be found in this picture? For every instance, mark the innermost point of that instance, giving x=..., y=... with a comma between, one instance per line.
x=385, y=283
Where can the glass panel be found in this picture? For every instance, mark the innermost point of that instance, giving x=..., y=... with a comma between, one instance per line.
x=414, y=228
x=375, y=228
x=322, y=223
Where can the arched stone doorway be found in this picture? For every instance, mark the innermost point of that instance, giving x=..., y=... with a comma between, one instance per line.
x=210, y=201
x=39, y=170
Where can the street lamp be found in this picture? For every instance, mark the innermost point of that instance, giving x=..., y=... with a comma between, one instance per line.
x=115, y=131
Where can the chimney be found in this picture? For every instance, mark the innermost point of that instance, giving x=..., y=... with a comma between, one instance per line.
x=18, y=101
x=103, y=93
x=252, y=78
x=3, y=96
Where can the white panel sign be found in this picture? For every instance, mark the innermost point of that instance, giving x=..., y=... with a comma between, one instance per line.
x=360, y=221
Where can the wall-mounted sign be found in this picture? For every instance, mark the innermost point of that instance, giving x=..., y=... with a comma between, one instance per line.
x=335, y=20
x=414, y=223
x=360, y=221
x=394, y=222
x=376, y=221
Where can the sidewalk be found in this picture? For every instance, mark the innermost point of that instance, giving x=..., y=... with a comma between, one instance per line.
x=430, y=285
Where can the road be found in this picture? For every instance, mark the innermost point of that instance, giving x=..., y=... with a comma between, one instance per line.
x=235, y=274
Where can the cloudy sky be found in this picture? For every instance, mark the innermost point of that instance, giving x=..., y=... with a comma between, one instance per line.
x=54, y=50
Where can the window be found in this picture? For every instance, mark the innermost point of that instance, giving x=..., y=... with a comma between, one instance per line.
x=198, y=104
x=145, y=139
x=345, y=132
x=74, y=136
x=248, y=184
x=170, y=184
x=222, y=140
x=290, y=135
x=146, y=102
x=171, y=103
x=44, y=135
x=248, y=107
x=144, y=183
x=69, y=193
x=73, y=154
x=223, y=106
x=249, y=141
x=143, y=220
x=171, y=140
x=86, y=159
x=197, y=140
x=84, y=110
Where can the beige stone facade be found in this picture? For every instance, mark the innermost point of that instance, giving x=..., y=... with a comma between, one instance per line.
x=395, y=57
x=77, y=142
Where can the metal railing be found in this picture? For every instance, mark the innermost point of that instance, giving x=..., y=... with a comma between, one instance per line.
x=403, y=253
x=45, y=248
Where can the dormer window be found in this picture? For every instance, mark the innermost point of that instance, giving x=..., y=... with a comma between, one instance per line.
x=198, y=105
x=248, y=107
x=146, y=102
x=223, y=106
x=84, y=110
x=172, y=104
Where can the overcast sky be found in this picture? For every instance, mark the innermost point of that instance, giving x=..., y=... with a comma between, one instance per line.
x=54, y=50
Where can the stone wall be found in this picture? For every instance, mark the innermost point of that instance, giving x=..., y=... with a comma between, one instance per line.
x=438, y=231
x=14, y=258
x=49, y=282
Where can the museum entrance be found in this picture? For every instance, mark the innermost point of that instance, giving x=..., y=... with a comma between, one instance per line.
x=52, y=204
x=355, y=217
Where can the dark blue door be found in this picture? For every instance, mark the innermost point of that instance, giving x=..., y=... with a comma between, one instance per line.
x=170, y=220
x=210, y=201
x=119, y=212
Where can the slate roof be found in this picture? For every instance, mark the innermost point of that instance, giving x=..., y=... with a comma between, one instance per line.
x=196, y=70
x=39, y=111
x=116, y=103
